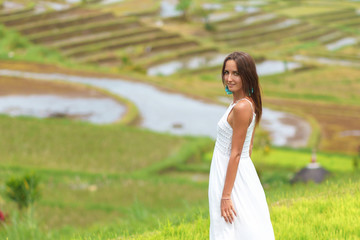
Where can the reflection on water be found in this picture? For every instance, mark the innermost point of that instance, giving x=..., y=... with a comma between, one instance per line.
x=105, y=2
x=168, y=9
x=168, y=112
x=73, y=1
x=240, y=8
x=257, y=3
x=211, y=6
x=45, y=6
x=95, y=110
x=269, y=67
x=341, y=43
x=171, y=67
x=285, y=128
x=214, y=17
x=9, y=6
x=329, y=36
x=264, y=68
x=257, y=18
x=327, y=61
x=284, y=24
x=160, y=111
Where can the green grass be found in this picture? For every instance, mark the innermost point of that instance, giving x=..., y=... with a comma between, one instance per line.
x=48, y=24
x=157, y=39
x=76, y=30
x=106, y=201
x=92, y=174
x=82, y=194
x=325, y=211
x=338, y=85
x=112, y=35
x=80, y=146
x=304, y=11
x=304, y=211
x=14, y=46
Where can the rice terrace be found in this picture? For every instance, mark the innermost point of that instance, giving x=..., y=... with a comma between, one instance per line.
x=108, y=112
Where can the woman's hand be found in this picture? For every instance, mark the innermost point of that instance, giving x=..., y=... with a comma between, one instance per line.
x=227, y=210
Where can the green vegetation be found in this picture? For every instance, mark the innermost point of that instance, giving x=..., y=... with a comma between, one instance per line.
x=303, y=205
x=301, y=217
x=91, y=174
x=106, y=195
x=300, y=85
x=81, y=146
x=24, y=190
x=184, y=5
x=16, y=47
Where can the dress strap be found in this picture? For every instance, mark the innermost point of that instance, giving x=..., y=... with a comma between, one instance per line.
x=250, y=104
x=246, y=100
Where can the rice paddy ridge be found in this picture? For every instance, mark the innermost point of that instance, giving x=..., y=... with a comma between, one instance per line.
x=269, y=27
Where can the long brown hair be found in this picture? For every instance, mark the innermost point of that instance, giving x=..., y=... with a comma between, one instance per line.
x=249, y=78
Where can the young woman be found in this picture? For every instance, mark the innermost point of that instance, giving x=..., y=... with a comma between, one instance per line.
x=238, y=208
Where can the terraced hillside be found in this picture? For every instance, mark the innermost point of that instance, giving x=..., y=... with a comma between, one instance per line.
x=270, y=29
x=336, y=42
x=96, y=37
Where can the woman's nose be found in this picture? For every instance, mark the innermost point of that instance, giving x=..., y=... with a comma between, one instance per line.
x=230, y=76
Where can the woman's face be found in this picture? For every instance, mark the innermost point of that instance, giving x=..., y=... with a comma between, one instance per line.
x=232, y=76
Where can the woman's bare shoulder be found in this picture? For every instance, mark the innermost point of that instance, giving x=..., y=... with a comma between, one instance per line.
x=243, y=106
x=243, y=112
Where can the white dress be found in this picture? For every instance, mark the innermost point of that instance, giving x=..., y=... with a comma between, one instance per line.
x=253, y=219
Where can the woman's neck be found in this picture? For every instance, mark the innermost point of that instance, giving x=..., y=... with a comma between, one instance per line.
x=237, y=96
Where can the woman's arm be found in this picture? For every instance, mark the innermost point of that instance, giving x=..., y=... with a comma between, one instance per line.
x=240, y=121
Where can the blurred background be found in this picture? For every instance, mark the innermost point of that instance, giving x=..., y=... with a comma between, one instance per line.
x=108, y=113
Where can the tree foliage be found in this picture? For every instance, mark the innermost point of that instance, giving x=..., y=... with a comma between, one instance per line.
x=184, y=5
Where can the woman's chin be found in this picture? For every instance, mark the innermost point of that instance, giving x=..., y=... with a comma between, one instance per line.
x=233, y=89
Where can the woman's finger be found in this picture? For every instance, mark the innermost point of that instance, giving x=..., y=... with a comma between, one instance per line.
x=231, y=217
x=223, y=214
x=228, y=215
x=232, y=208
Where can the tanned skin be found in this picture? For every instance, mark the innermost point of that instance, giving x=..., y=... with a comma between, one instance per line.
x=239, y=119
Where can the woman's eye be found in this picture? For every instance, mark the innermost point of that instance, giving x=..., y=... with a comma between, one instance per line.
x=226, y=72
x=236, y=74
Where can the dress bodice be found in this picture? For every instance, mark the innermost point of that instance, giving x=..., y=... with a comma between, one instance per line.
x=225, y=131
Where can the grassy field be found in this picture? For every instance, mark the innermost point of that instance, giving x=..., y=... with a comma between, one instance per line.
x=327, y=210
x=92, y=174
x=292, y=218
x=87, y=190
